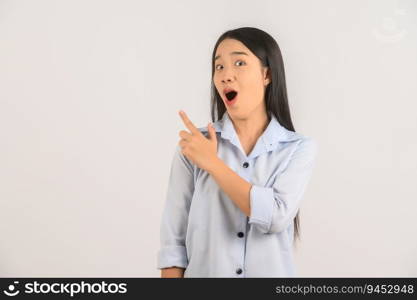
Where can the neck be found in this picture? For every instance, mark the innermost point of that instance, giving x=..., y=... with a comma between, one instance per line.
x=252, y=126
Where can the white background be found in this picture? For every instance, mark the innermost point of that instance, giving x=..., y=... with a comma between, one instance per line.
x=89, y=100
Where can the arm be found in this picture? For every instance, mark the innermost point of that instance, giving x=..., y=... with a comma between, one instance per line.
x=173, y=272
x=172, y=256
x=271, y=209
x=237, y=188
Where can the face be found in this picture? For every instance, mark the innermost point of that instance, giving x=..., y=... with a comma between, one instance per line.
x=237, y=68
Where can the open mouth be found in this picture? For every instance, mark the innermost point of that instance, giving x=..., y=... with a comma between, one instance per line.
x=231, y=95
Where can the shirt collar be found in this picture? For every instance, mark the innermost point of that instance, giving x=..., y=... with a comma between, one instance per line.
x=273, y=134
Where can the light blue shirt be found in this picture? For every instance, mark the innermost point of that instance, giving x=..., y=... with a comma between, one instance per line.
x=204, y=231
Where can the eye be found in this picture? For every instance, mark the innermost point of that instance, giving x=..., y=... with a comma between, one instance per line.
x=236, y=62
x=241, y=61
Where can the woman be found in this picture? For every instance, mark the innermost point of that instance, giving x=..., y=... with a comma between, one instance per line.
x=236, y=185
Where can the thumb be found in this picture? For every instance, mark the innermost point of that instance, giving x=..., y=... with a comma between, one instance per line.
x=212, y=132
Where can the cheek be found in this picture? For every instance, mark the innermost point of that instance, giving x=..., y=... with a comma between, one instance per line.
x=252, y=88
x=252, y=93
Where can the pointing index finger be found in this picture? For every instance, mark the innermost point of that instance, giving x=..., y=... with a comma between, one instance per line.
x=188, y=123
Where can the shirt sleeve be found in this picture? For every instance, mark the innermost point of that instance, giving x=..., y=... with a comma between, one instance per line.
x=174, y=220
x=274, y=208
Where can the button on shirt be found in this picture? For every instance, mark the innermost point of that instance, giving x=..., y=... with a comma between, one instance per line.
x=202, y=229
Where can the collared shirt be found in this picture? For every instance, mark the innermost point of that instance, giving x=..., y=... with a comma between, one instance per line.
x=205, y=232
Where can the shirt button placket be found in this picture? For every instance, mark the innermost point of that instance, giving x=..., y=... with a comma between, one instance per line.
x=241, y=234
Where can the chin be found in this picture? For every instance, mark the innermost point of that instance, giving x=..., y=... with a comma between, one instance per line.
x=237, y=115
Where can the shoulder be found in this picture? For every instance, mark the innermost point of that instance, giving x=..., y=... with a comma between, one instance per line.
x=308, y=143
x=180, y=160
x=301, y=143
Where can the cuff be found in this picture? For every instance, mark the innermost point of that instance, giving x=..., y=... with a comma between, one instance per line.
x=261, y=207
x=172, y=256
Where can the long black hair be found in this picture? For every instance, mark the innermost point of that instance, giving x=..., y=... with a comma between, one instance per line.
x=267, y=50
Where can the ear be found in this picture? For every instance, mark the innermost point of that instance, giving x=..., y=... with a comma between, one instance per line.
x=267, y=76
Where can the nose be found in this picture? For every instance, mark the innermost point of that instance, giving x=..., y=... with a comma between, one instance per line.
x=226, y=80
x=228, y=76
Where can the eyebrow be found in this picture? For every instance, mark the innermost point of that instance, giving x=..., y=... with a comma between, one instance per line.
x=231, y=53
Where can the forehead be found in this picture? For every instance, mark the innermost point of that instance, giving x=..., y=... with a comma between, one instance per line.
x=228, y=46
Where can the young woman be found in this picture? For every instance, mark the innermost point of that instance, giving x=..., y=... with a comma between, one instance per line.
x=236, y=186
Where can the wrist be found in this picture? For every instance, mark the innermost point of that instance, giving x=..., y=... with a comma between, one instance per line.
x=214, y=166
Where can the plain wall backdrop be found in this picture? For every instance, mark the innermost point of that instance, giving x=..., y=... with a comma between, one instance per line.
x=89, y=100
